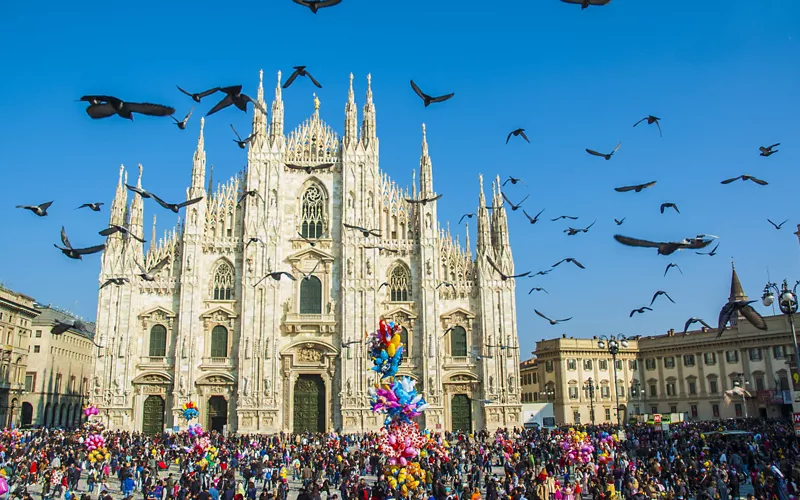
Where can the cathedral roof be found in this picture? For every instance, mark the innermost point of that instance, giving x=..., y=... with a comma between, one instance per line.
x=313, y=141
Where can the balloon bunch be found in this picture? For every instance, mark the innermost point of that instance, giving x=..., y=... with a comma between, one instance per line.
x=11, y=434
x=405, y=479
x=190, y=410
x=576, y=447
x=386, y=349
x=196, y=430
x=96, y=446
x=606, y=446
x=209, y=458
x=401, y=442
x=399, y=401
x=94, y=426
x=90, y=410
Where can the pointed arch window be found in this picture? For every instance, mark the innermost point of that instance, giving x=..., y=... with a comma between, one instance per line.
x=222, y=286
x=158, y=341
x=400, y=284
x=312, y=212
x=310, y=295
x=404, y=340
x=219, y=342
x=458, y=342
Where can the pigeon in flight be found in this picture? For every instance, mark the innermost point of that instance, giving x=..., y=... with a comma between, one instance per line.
x=428, y=100
x=175, y=207
x=744, y=307
x=115, y=281
x=445, y=283
x=276, y=275
x=465, y=216
x=62, y=327
x=385, y=249
x=503, y=276
x=711, y=253
x=513, y=180
x=669, y=205
x=541, y=273
x=691, y=321
x=309, y=168
x=641, y=310
x=307, y=276
x=572, y=231
x=235, y=97
x=606, y=156
x=651, y=120
x=537, y=289
x=76, y=253
x=664, y=247
x=745, y=178
x=553, y=322
x=520, y=132
x=514, y=207
x=103, y=106
x=637, y=188
x=385, y=283
x=242, y=143
x=300, y=71
x=586, y=3
x=311, y=243
x=141, y=192
x=532, y=220
x=570, y=260
x=570, y=217
x=150, y=274
x=315, y=5
x=198, y=97
x=254, y=239
x=95, y=207
x=181, y=124
x=351, y=342
x=114, y=228
x=620, y=221
x=423, y=201
x=767, y=151
x=251, y=192
x=777, y=226
x=40, y=210
x=670, y=266
x=658, y=293
x=364, y=231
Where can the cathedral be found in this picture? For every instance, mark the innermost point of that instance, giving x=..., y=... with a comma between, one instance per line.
x=260, y=355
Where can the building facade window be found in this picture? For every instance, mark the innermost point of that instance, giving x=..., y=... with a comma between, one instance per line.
x=30, y=382
x=653, y=391
x=778, y=352
x=572, y=364
x=633, y=365
x=715, y=410
x=573, y=392
x=688, y=360
x=608, y=413
x=605, y=392
x=618, y=365
x=312, y=212
x=710, y=358
x=158, y=341
x=535, y=378
x=587, y=364
x=603, y=364
x=713, y=388
x=738, y=408
x=759, y=383
x=37, y=348
x=783, y=383
x=673, y=409
x=219, y=342
x=755, y=354
x=458, y=342
x=536, y=396
x=222, y=288
x=670, y=388
x=650, y=364
x=548, y=366
x=654, y=409
x=576, y=416
x=621, y=391
x=692, y=385
x=400, y=284
x=38, y=334
x=732, y=356
x=310, y=295
x=669, y=362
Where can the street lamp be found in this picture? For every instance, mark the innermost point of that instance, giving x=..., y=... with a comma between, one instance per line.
x=550, y=393
x=613, y=344
x=788, y=305
x=590, y=390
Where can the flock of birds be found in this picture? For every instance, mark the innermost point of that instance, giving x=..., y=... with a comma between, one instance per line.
x=104, y=106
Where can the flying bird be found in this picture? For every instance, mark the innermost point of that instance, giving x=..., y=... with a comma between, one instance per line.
x=254, y=239
x=103, y=106
x=669, y=205
x=641, y=310
x=445, y=283
x=743, y=307
x=385, y=249
x=423, y=201
x=385, y=283
x=246, y=194
x=745, y=178
x=537, y=289
x=767, y=151
x=40, y=210
x=150, y=274
x=651, y=120
x=670, y=266
x=514, y=207
x=777, y=226
x=586, y=3
x=366, y=232
x=541, y=273
x=276, y=275
x=532, y=220
x=606, y=156
x=664, y=247
x=658, y=293
x=309, y=168
x=312, y=243
x=428, y=100
x=637, y=188
x=570, y=217
x=620, y=221
x=234, y=96
x=692, y=321
x=95, y=207
x=115, y=281
x=520, y=132
x=114, y=228
x=198, y=97
x=307, y=276
x=175, y=207
x=351, y=342
x=573, y=231
x=242, y=143
x=76, y=253
x=141, y=192
x=513, y=180
x=553, y=322
x=712, y=253
x=503, y=276
x=181, y=124
x=301, y=71
x=62, y=327
x=570, y=260
x=465, y=216
x=315, y=5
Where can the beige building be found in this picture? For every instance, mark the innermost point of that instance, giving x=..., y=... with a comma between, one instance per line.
x=17, y=313
x=58, y=372
x=529, y=381
x=672, y=373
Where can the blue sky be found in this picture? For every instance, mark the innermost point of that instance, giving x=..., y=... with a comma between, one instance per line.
x=723, y=78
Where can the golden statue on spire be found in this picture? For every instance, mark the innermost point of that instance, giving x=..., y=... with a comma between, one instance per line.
x=316, y=102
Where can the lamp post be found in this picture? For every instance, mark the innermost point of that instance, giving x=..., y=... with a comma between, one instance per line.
x=613, y=344
x=787, y=301
x=590, y=390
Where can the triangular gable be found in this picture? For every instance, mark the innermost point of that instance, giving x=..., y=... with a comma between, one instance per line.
x=218, y=311
x=401, y=310
x=152, y=312
x=458, y=310
x=311, y=253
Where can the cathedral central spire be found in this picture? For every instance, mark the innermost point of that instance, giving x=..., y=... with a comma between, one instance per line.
x=350, y=118
x=276, y=125
x=368, y=133
x=199, y=165
x=425, y=168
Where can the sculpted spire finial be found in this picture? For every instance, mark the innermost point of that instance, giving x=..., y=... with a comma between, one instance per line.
x=278, y=87
x=316, y=103
x=350, y=96
x=139, y=180
x=369, y=88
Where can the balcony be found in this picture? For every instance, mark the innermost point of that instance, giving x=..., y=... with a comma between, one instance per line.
x=310, y=323
x=217, y=364
x=457, y=362
x=156, y=362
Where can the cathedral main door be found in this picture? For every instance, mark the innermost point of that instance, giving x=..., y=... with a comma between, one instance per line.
x=217, y=413
x=153, y=415
x=309, y=404
x=461, y=413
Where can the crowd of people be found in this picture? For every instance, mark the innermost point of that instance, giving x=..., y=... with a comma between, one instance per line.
x=699, y=460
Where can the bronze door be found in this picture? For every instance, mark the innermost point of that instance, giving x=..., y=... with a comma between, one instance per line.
x=309, y=404
x=461, y=413
x=153, y=415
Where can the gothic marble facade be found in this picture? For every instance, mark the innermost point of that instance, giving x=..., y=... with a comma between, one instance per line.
x=251, y=352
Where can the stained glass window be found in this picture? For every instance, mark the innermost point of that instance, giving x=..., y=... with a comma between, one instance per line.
x=400, y=284
x=312, y=212
x=223, y=282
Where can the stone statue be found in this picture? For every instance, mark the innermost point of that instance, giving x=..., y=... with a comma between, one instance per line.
x=348, y=387
x=245, y=386
x=349, y=266
x=511, y=383
x=189, y=263
x=250, y=265
x=118, y=385
x=431, y=385
x=329, y=307
x=491, y=384
x=182, y=385
x=96, y=384
x=369, y=267
x=184, y=352
x=428, y=267
x=267, y=385
x=194, y=216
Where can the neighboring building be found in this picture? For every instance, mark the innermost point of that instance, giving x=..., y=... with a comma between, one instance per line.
x=673, y=373
x=58, y=372
x=259, y=355
x=529, y=381
x=16, y=314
